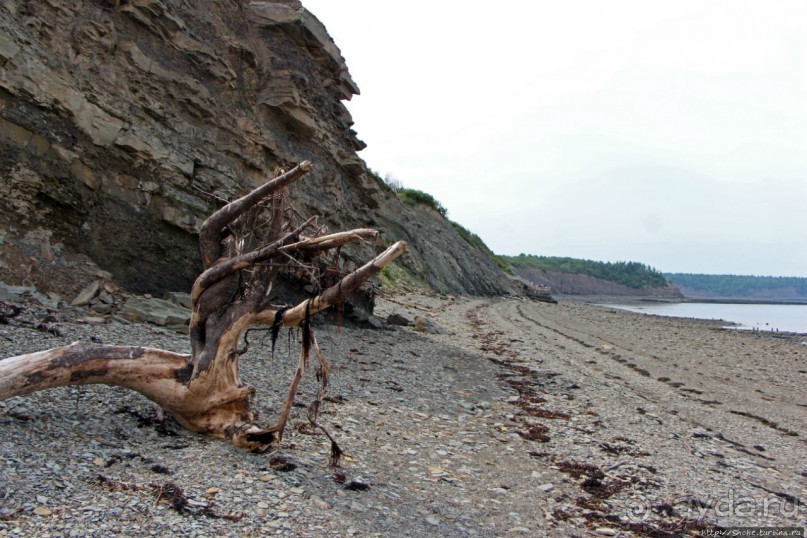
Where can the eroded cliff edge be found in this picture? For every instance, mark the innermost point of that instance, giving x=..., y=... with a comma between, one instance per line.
x=122, y=124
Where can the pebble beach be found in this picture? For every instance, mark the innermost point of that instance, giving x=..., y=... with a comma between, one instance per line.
x=491, y=417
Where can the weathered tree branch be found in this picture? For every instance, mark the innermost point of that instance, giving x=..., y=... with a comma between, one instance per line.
x=229, y=266
x=338, y=292
x=328, y=242
x=244, y=245
x=212, y=231
x=85, y=364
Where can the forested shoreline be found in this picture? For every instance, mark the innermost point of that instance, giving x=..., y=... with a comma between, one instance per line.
x=632, y=274
x=735, y=286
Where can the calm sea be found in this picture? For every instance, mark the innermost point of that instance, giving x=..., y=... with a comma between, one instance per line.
x=764, y=317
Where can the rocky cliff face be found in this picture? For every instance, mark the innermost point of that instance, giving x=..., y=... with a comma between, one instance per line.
x=438, y=256
x=124, y=123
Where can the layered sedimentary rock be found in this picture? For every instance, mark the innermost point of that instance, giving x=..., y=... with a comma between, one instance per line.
x=124, y=123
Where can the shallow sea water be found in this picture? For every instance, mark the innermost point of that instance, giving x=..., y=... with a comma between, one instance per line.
x=762, y=317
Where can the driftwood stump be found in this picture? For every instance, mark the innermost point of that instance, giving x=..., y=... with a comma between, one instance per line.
x=244, y=246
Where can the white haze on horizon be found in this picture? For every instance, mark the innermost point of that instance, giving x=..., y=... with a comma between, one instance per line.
x=669, y=133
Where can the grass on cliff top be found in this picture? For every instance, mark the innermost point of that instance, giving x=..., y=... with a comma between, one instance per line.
x=408, y=196
x=415, y=197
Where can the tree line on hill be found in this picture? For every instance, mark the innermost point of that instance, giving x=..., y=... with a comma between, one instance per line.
x=739, y=285
x=632, y=274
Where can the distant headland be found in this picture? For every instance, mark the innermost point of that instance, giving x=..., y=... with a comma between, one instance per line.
x=580, y=277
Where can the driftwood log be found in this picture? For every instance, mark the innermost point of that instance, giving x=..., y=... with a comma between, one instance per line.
x=244, y=247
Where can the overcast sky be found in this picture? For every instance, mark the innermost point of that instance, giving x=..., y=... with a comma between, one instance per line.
x=668, y=132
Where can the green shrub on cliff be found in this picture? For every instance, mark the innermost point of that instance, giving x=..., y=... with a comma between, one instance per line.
x=407, y=196
x=414, y=197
